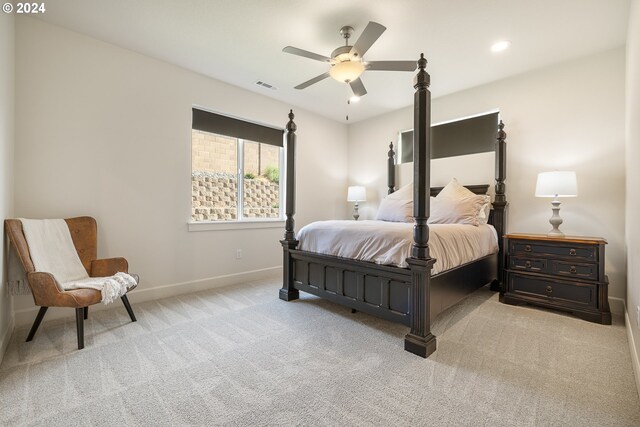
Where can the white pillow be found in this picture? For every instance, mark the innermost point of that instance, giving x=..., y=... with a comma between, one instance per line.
x=454, y=190
x=404, y=193
x=456, y=204
x=455, y=211
x=395, y=210
x=483, y=215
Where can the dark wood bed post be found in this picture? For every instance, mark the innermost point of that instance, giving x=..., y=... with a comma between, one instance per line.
x=288, y=292
x=420, y=340
x=500, y=203
x=391, y=169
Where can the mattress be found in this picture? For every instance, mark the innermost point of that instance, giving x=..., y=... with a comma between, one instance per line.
x=389, y=243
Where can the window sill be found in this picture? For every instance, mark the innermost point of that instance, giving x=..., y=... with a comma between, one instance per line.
x=234, y=225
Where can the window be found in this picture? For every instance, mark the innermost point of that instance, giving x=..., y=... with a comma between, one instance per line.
x=475, y=134
x=236, y=169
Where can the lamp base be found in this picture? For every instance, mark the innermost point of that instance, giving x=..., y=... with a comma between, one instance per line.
x=356, y=215
x=555, y=220
x=555, y=233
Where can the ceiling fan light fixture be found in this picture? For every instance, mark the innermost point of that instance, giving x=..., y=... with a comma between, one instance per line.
x=346, y=71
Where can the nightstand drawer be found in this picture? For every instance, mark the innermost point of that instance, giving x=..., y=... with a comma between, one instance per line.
x=582, y=271
x=574, y=294
x=570, y=251
x=528, y=264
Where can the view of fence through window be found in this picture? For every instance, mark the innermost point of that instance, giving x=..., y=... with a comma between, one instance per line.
x=214, y=178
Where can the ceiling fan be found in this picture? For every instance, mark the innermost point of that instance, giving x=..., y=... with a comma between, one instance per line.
x=347, y=62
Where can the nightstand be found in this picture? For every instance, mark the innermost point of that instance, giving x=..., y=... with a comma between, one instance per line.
x=564, y=273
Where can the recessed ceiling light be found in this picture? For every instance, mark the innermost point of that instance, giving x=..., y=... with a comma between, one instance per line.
x=354, y=99
x=500, y=46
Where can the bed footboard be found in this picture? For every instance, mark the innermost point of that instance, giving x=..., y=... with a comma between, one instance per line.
x=381, y=291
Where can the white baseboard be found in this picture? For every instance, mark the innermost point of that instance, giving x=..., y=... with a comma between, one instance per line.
x=25, y=316
x=635, y=361
x=6, y=337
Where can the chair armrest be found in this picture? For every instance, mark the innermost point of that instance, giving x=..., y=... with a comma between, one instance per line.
x=108, y=267
x=47, y=292
x=44, y=287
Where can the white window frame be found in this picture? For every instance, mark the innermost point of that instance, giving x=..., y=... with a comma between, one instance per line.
x=241, y=222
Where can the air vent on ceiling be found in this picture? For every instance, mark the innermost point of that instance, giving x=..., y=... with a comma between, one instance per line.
x=267, y=85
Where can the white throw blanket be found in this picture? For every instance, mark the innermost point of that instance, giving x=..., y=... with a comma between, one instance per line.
x=52, y=251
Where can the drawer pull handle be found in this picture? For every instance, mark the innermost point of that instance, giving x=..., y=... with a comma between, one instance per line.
x=527, y=264
x=549, y=289
x=572, y=251
x=573, y=270
x=527, y=248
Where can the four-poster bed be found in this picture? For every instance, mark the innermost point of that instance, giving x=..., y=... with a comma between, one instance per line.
x=411, y=296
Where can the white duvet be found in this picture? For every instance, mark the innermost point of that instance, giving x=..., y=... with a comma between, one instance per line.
x=389, y=243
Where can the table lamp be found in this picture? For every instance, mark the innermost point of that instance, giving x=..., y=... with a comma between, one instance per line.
x=356, y=194
x=556, y=184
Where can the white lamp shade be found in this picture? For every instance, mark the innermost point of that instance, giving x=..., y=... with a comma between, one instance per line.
x=557, y=184
x=356, y=194
x=346, y=71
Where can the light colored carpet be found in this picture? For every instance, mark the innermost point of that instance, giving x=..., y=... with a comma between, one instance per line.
x=241, y=356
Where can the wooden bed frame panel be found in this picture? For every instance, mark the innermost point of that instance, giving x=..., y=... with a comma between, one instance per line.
x=383, y=291
x=410, y=296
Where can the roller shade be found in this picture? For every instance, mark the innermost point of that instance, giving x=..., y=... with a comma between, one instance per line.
x=236, y=128
x=466, y=136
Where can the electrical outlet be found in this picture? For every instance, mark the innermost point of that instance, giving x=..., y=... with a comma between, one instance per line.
x=238, y=253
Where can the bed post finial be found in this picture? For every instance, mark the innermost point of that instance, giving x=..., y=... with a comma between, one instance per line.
x=291, y=126
x=420, y=340
x=391, y=170
x=288, y=292
x=500, y=203
x=422, y=79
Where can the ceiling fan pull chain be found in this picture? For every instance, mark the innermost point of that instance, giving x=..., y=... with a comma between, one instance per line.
x=348, y=104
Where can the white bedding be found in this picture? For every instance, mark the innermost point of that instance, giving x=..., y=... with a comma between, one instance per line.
x=389, y=243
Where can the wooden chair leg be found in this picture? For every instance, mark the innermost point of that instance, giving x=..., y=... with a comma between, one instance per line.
x=125, y=301
x=86, y=312
x=80, y=326
x=36, y=323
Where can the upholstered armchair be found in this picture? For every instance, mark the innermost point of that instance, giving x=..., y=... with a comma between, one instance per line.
x=47, y=292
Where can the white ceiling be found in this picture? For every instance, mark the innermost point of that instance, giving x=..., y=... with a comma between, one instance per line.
x=241, y=41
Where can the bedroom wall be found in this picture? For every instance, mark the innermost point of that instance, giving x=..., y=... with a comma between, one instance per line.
x=7, y=59
x=633, y=181
x=113, y=140
x=570, y=116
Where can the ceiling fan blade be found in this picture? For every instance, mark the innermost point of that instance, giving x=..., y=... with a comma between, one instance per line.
x=312, y=81
x=392, y=65
x=358, y=87
x=301, y=52
x=367, y=38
